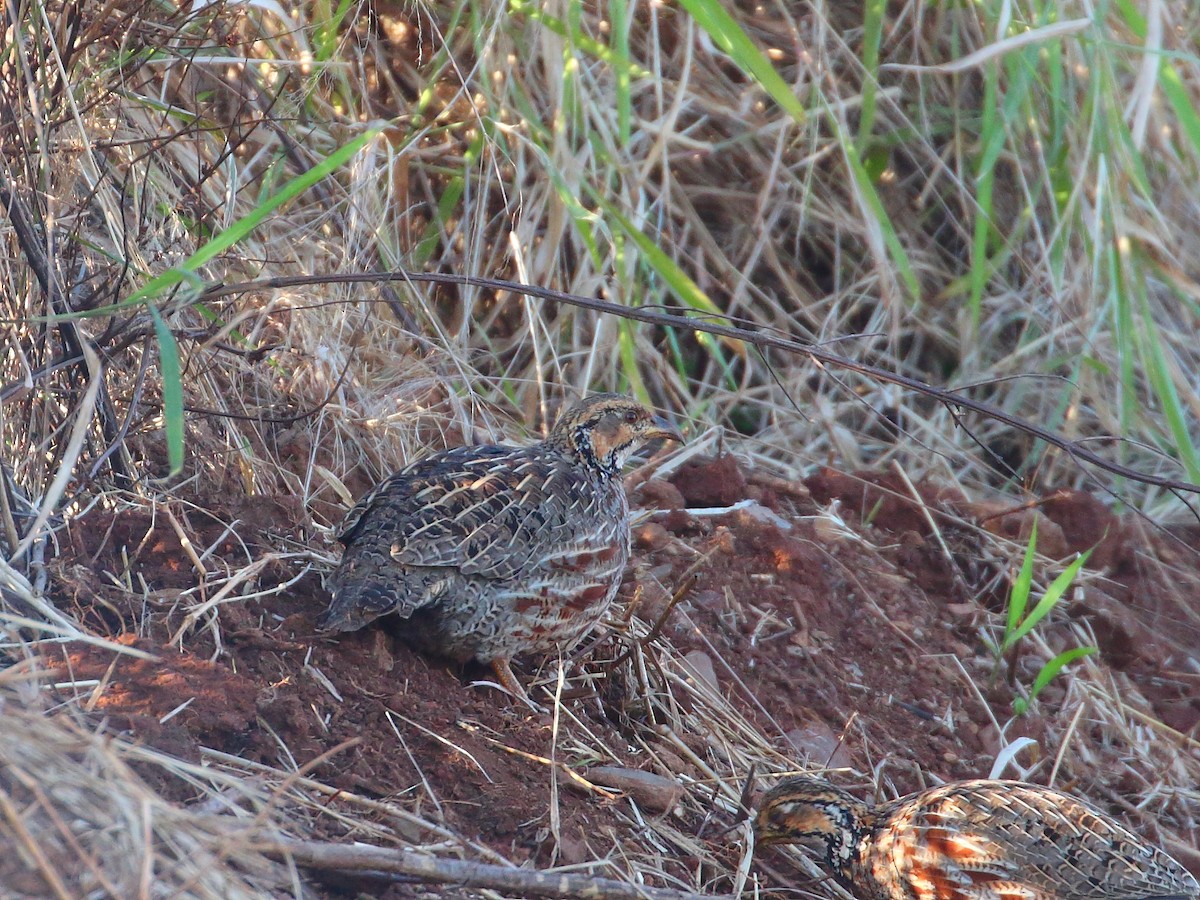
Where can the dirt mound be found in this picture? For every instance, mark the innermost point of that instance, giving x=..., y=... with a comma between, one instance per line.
x=842, y=618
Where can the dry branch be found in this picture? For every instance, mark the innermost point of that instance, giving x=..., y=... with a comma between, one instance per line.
x=951, y=398
x=75, y=344
x=526, y=883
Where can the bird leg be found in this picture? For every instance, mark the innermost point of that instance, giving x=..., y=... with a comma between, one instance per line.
x=504, y=674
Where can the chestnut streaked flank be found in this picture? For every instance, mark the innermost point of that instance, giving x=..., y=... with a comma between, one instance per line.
x=489, y=551
x=970, y=840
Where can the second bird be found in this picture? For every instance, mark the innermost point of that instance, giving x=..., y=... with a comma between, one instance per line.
x=491, y=551
x=970, y=840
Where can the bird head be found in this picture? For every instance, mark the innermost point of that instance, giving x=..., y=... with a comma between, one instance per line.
x=815, y=814
x=605, y=429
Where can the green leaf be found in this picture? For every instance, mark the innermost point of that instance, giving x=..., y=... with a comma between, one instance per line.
x=240, y=229
x=872, y=37
x=712, y=16
x=1053, y=594
x=172, y=390
x=1018, y=599
x=1051, y=669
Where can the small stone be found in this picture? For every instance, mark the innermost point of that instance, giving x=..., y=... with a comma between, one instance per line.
x=651, y=536
x=700, y=665
x=704, y=482
x=657, y=494
x=710, y=600
x=820, y=744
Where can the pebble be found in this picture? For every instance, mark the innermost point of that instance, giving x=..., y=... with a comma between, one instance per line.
x=700, y=665
x=651, y=536
x=820, y=744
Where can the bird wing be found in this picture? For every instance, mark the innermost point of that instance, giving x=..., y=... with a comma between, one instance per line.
x=402, y=493
x=981, y=840
x=480, y=510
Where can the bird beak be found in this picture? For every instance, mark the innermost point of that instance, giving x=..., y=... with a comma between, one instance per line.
x=658, y=427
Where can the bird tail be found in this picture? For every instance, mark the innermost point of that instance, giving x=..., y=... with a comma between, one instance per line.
x=362, y=592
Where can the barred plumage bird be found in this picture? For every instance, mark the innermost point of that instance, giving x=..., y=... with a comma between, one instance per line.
x=971, y=840
x=490, y=551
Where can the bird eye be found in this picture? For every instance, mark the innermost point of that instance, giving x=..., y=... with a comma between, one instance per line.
x=632, y=416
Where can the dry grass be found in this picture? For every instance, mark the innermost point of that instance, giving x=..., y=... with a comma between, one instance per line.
x=78, y=820
x=1049, y=234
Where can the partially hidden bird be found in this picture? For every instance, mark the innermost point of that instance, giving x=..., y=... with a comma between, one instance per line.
x=970, y=840
x=492, y=551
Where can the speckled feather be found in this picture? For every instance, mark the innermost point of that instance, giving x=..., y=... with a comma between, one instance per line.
x=972, y=840
x=495, y=551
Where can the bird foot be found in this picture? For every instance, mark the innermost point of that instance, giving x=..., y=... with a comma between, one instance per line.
x=508, y=682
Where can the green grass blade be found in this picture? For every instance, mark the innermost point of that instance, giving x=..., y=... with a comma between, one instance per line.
x=1049, y=600
x=1019, y=597
x=1177, y=95
x=1173, y=86
x=627, y=342
x=1051, y=669
x=172, y=389
x=1158, y=370
x=870, y=197
x=872, y=37
x=620, y=50
x=712, y=16
x=992, y=136
x=683, y=286
x=437, y=226
x=245, y=225
x=680, y=284
x=326, y=27
x=622, y=65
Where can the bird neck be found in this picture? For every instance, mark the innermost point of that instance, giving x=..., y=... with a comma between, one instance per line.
x=606, y=465
x=844, y=840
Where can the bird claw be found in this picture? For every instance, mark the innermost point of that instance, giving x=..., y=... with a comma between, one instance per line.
x=510, y=685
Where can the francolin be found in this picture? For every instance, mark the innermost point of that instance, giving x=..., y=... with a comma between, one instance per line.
x=970, y=840
x=490, y=552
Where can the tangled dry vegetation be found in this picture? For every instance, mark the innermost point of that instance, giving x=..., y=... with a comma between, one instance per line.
x=1021, y=227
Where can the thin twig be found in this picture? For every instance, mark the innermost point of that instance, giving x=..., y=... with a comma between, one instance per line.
x=688, y=582
x=464, y=873
x=11, y=537
x=950, y=397
x=32, y=847
x=75, y=342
